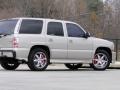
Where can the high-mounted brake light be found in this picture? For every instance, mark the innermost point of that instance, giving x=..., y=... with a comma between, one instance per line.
x=15, y=42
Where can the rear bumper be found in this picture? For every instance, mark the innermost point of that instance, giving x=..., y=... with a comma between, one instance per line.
x=16, y=53
x=7, y=53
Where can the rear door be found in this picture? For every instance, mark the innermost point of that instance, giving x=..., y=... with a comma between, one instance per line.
x=56, y=39
x=7, y=28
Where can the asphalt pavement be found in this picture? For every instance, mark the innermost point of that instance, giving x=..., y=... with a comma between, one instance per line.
x=58, y=77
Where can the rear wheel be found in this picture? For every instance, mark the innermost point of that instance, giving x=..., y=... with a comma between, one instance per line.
x=101, y=60
x=9, y=64
x=38, y=60
x=73, y=66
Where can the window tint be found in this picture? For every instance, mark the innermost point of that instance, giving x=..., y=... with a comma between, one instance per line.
x=55, y=28
x=31, y=27
x=74, y=30
x=7, y=26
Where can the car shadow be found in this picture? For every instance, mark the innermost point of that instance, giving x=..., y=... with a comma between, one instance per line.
x=53, y=70
x=83, y=68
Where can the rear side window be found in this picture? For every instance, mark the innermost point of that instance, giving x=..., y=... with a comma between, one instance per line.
x=7, y=26
x=31, y=27
x=55, y=29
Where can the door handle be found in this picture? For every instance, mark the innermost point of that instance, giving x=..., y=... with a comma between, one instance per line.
x=50, y=40
x=70, y=41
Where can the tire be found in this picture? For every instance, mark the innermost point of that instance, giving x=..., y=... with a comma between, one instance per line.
x=9, y=64
x=38, y=60
x=91, y=65
x=73, y=66
x=101, y=60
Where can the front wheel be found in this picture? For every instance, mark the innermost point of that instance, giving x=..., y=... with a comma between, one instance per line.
x=73, y=66
x=101, y=60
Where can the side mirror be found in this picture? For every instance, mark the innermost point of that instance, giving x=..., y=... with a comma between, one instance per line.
x=86, y=35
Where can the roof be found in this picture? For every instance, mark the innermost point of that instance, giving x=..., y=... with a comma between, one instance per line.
x=35, y=18
x=38, y=18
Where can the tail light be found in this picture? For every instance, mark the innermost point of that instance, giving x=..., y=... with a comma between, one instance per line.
x=15, y=42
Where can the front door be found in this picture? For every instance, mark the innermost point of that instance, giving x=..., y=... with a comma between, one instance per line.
x=79, y=48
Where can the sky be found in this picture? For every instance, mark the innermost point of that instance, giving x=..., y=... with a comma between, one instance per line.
x=104, y=0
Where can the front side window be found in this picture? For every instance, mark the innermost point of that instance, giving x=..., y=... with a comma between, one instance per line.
x=7, y=26
x=55, y=29
x=74, y=30
x=31, y=27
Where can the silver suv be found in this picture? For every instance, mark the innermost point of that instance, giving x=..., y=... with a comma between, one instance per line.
x=40, y=42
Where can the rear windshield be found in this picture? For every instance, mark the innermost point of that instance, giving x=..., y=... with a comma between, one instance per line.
x=7, y=26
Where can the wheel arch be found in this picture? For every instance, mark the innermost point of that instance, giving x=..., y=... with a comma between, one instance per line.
x=108, y=50
x=46, y=48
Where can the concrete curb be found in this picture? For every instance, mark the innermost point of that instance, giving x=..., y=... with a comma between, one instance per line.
x=115, y=65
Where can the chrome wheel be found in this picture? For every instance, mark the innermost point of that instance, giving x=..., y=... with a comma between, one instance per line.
x=100, y=60
x=40, y=60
